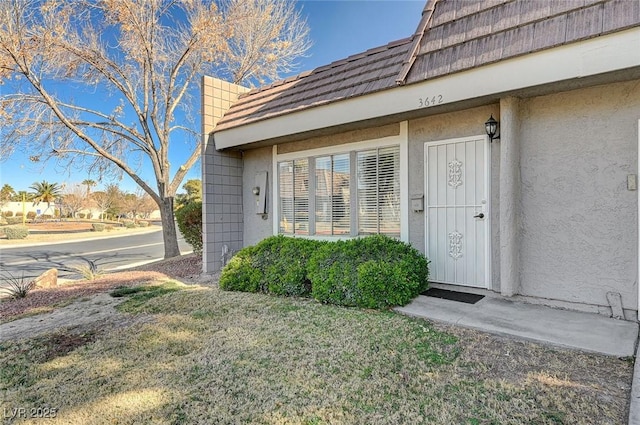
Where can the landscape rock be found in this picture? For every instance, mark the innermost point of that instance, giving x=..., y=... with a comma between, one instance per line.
x=48, y=279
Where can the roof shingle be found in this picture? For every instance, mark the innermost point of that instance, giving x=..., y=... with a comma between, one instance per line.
x=453, y=35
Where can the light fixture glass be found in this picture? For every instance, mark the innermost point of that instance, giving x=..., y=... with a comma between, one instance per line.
x=491, y=127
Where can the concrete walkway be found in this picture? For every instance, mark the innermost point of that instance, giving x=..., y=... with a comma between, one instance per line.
x=563, y=328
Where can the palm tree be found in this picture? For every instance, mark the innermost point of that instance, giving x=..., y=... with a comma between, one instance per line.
x=7, y=193
x=89, y=183
x=46, y=192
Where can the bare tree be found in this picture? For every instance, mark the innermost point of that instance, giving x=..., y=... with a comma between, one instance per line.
x=110, y=199
x=74, y=199
x=138, y=59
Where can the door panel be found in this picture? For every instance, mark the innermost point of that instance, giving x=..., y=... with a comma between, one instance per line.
x=456, y=186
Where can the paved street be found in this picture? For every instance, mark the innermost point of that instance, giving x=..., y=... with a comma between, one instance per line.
x=107, y=254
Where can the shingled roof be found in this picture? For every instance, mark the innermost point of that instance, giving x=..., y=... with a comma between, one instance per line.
x=452, y=36
x=367, y=72
x=464, y=34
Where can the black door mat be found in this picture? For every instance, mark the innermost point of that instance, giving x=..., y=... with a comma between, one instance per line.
x=445, y=294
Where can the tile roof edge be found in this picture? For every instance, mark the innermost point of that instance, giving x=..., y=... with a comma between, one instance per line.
x=425, y=23
x=333, y=64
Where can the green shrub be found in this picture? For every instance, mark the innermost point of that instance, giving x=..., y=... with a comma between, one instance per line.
x=81, y=215
x=97, y=227
x=89, y=215
x=16, y=232
x=14, y=220
x=129, y=224
x=108, y=227
x=276, y=265
x=19, y=214
x=371, y=272
x=143, y=223
x=8, y=213
x=31, y=215
x=189, y=220
x=239, y=274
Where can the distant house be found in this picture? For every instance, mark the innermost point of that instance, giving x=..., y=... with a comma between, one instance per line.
x=547, y=212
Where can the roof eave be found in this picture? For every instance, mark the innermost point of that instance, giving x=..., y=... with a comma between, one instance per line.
x=599, y=55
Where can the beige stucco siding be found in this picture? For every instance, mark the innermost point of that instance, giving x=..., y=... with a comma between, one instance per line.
x=579, y=221
x=256, y=226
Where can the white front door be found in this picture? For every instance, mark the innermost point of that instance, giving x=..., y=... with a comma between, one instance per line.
x=457, y=211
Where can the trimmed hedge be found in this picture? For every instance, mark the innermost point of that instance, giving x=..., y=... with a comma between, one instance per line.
x=143, y=223
x=16, y=232
x=8, y=214
x=31, y=215
x=276, y=265
x=371, y=272
x=129, y=224
x=189, y=219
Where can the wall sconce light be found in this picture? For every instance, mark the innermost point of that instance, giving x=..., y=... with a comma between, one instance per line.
x=491, y=127
x=256, y=191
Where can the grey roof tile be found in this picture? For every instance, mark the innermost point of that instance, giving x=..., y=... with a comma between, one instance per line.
x=506, y=16
x=517, y=41
x=452, y=36
x=620, y=14
x=550, y=32
x=585, y=23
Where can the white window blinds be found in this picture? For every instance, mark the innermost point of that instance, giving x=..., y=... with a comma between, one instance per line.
x=378, y=172
x=293, y=178
x=332, y=195
x=354, y=193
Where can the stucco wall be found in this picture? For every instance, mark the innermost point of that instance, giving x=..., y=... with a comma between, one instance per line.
x=452, y=125
x=257, y=226
x=579, y=221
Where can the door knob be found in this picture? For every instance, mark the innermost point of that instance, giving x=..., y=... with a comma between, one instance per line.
x=481, y=215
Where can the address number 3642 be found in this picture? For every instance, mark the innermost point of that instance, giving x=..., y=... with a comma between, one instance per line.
x=425, y=102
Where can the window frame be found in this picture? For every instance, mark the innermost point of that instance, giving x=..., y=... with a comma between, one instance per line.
x=400, y=140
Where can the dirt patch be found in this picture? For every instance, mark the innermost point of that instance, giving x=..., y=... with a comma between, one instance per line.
x=187, y=268
x=98, y=308
x=62, y=343
x=45, y=300
x=81, y=303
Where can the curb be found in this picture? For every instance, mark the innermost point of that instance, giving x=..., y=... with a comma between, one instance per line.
x=150, y=230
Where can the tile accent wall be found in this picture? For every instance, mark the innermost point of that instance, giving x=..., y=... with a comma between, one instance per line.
x=221, y=180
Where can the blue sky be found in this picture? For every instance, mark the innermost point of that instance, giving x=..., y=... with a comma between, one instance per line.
x=338, y=29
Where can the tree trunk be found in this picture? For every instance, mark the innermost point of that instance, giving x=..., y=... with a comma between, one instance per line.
x=169, y=234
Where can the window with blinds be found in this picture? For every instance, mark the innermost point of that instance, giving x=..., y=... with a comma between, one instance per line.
x=293, y=180
x=378, y=172
x=354, y=193
x=332, y=195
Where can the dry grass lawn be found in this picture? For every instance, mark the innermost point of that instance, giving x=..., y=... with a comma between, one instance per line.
x=205, y=356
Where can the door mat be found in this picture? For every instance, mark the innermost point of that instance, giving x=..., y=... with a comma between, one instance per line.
x=445, y=294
